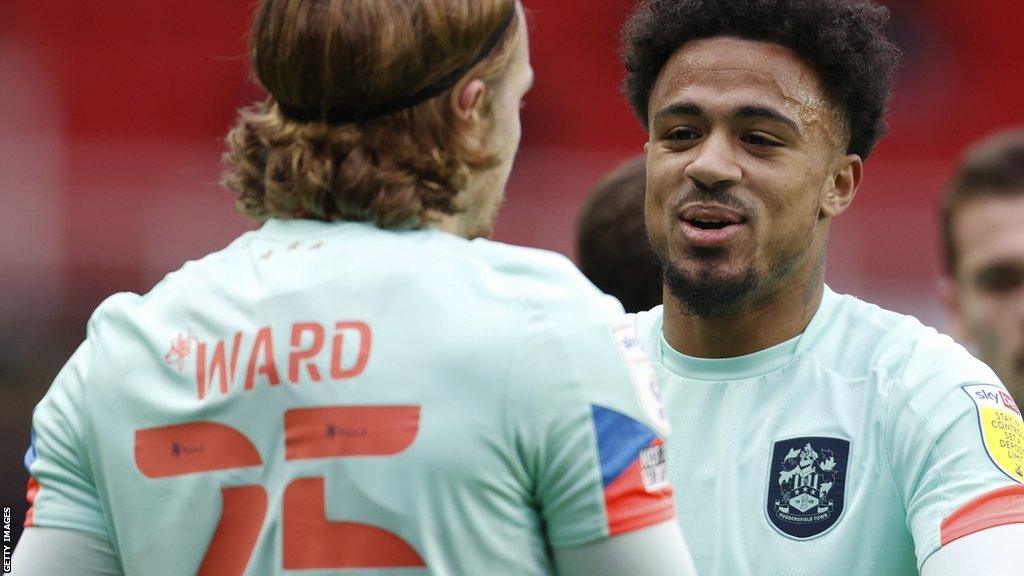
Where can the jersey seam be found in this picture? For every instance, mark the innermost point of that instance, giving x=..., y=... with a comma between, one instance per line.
x=582, y=534
x=597, y=487
x=87, y=428
x=835, y=372
x=885, y=426
x=885, y=433
x=824, y=365
x=888, y=455
x=933, y=450
x=506, y=395
x=910, y=342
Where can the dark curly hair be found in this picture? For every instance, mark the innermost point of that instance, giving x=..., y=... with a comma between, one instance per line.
x=842, y=40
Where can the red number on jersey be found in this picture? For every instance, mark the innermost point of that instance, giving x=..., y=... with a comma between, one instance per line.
x=310, y=539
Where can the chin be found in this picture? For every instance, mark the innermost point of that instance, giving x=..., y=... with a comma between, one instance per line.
x=709, y=290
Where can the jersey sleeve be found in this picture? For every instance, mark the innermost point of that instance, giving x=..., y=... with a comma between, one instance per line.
x=584, y=416
x=954, y=438
x=62, y=492
x=50, y=551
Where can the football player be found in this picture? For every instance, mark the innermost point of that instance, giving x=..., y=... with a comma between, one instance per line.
x=365, y=382
x=813, y=433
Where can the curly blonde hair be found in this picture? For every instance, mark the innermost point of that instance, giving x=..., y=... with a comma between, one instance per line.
x=398, y=170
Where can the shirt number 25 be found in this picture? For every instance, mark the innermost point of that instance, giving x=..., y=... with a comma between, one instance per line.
x=310, y=540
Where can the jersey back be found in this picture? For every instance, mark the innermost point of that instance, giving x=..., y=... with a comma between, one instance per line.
x=318, y=397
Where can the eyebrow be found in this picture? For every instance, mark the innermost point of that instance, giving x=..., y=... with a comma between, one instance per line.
x=763, y=112
x=680, y=109
x=742, y=113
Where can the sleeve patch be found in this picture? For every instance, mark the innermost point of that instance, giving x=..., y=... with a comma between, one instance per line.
x=1002, y=430
x=634, y=472
x=619, y=441
x=996, y=508
x=641, y=372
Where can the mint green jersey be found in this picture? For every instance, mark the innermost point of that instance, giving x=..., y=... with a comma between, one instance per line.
x=318, y=398
x=859, y=447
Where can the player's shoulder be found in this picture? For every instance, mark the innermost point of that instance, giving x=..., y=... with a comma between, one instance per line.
x=544, y=278
x=534, y=265
x=856, y=338
x=125, y=311
x=214, y=267
x=648, y=326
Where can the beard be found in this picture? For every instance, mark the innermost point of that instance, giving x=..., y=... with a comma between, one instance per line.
x=708, y=293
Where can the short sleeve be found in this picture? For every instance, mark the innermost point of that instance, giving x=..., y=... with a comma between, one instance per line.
x=954, y=438
x=62, y=492
x=584, y=416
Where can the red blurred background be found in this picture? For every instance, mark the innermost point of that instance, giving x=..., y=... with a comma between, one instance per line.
x=113, y=114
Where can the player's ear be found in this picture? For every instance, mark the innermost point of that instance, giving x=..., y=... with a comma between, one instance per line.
x=950, y=302
x=842, y=185
x=470, y=98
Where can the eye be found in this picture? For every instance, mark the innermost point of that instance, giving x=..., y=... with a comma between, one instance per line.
x=1000, y=279
x=757, y=139
x=682, y=134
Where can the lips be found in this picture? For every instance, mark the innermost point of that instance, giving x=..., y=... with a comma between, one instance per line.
x=710, y=225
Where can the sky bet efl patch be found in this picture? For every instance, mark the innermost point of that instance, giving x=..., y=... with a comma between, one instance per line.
x=641, y=371
x=1002, y=430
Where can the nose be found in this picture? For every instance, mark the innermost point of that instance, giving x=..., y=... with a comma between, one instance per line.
x=715, y=164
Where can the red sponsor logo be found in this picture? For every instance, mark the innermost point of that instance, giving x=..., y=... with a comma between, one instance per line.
x=181, y=347
x=1008, y=402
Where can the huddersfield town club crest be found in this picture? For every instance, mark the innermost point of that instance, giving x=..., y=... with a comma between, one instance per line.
x=807, y=485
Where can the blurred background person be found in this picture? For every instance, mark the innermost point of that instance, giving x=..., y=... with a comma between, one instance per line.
x=611, y=242
x=983, y=252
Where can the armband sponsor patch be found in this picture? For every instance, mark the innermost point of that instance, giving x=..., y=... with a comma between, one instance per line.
x=654, y=468
x=1002, y=430
x=641, y=371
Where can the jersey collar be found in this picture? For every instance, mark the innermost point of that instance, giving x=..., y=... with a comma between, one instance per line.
x=749, y=365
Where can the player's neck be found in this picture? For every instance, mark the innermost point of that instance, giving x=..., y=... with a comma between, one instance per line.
x=449, y=223
x=772, y=320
